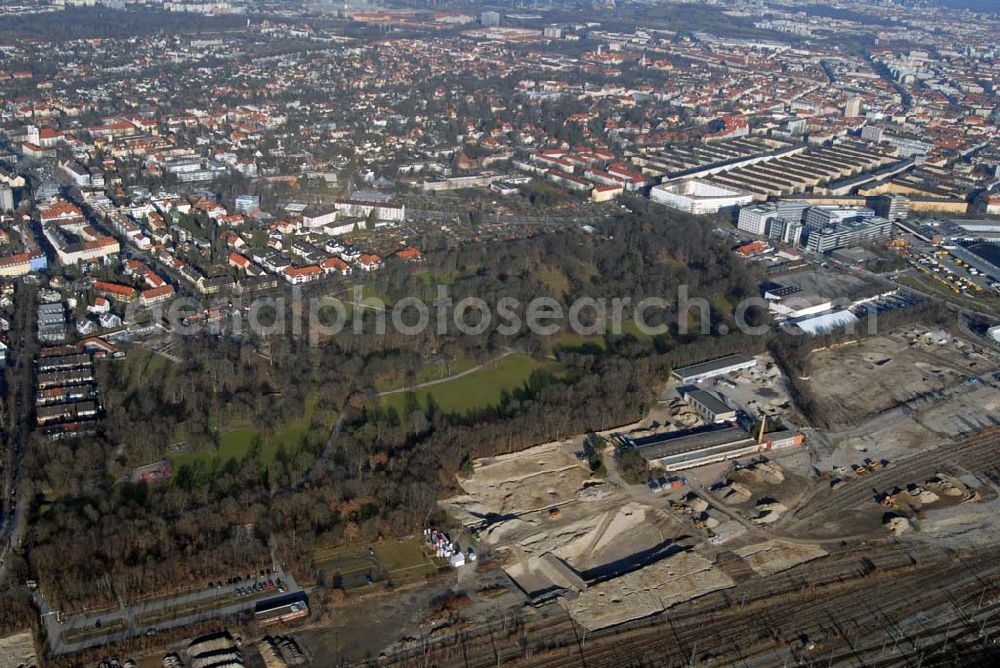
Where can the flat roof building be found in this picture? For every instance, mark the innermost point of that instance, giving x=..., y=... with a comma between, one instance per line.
x=718, y=367
x=699, y=197
x=848, y=233
x=281, y=609
x=677, y=451
x=710, y=406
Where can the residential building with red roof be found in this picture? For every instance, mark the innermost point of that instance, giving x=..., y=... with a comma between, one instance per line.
x=369, y=262
x=300, y=275
x=156, y=295
x=115, y=291
x=335, y=264
x=410, y=254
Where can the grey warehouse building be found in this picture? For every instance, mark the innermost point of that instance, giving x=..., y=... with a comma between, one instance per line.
x=719, y=367
x=710, y=406
x=673, y=452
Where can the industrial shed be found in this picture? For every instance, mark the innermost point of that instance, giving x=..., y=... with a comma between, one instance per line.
x=711, y=407
x=719, y=367
x=674, y=452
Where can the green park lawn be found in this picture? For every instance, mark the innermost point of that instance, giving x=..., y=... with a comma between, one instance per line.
x=236, y=441
x=428, y=372
x=477, y=390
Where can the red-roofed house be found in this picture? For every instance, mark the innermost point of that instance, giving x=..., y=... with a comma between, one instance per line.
x=115, y=291
x=153, y=280
x=753, y=248
x=369, y=262
x=33, y=151
x=49, y=138
x=15, y=265
x=156, y=295
x=100, y=305
x=60, y=211
x=993, y=206
x=410, y=254
x=335, y=264
x=238, y=261
x=99, y=347
x=299, y=275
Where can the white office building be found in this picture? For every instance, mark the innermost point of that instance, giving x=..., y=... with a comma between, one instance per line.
x=700, y=197
x=757, y=219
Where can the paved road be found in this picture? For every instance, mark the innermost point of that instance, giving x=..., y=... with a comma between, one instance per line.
x=446, y=379
x=228, y=605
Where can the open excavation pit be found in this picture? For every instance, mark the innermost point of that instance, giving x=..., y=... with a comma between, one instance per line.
x=775, y=556
x=675, y=579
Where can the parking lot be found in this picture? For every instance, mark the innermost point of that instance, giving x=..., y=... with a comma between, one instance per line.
x=218, y=599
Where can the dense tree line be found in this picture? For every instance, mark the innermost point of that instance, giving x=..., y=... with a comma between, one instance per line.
x=94, y=535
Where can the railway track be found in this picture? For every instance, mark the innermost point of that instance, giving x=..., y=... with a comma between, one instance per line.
x=856, y=597
x=771, y=628
x=751, y=611
x=977, y=454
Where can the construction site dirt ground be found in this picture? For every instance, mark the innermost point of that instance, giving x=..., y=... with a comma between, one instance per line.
x=853, y=382
x=615, y=553
x=762, y=389
x=761, y=489
x=775, y=556
x=609, y=551
x=18, y=649
x=597, y=546
x=672, y=580
x=903, y=432
x=961, y=525
x=537, y=479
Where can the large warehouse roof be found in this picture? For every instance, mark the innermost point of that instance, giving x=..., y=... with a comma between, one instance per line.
x=711, y=402
x=714, y=367
x=670, y=445
x=825, y=322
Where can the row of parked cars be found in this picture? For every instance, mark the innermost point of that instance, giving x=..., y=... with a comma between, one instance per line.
x=260, y=585
x=263, y=580
x=664, y=484
x=237, y=579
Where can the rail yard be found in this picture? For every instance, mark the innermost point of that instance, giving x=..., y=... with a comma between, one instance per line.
x=874, y=601
x=850, y=549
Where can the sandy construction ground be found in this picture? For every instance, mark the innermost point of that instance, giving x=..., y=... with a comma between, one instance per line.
x=563, y=554
x=534, y=479
x=681, y=577
x=854, y=382
x=969, y=412
x=775, y=556
x=18, y=651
